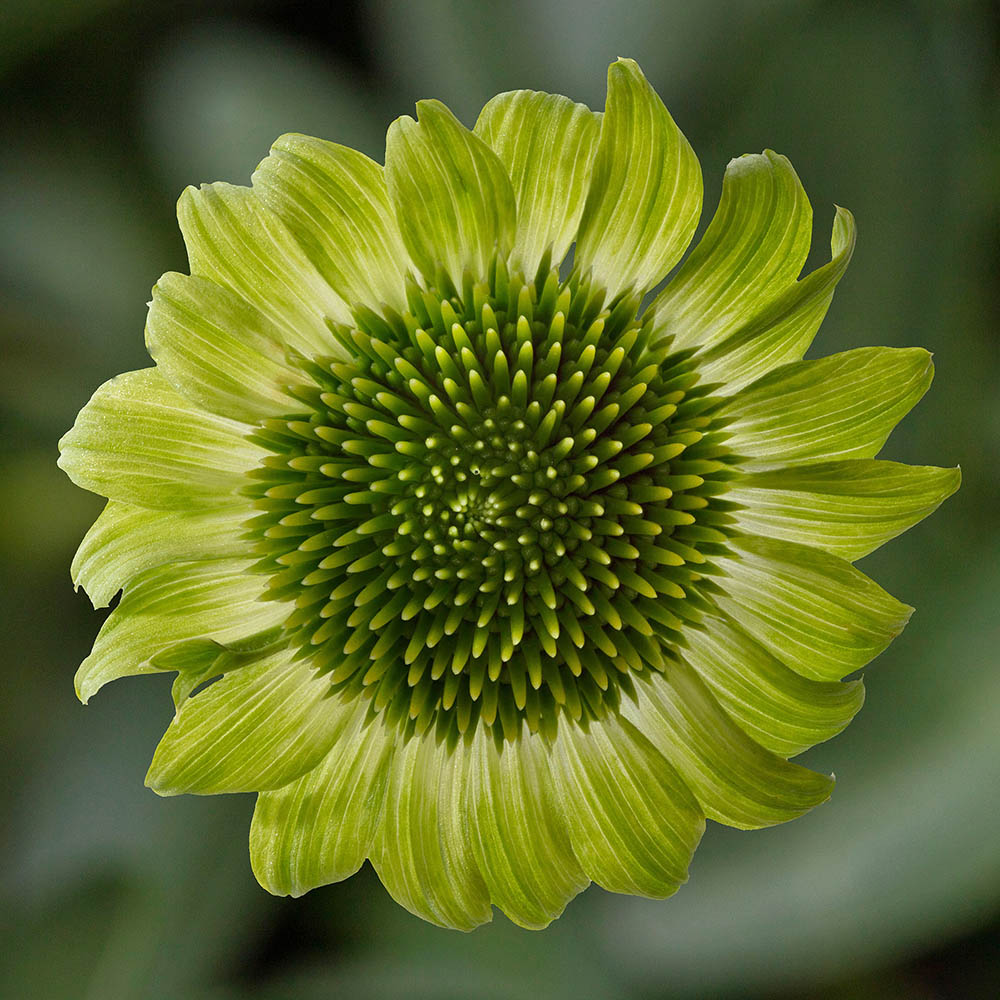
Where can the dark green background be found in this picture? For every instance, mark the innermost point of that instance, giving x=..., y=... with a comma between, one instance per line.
x=110, y=108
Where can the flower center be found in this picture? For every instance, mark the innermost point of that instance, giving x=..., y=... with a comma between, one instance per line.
x=494, y=506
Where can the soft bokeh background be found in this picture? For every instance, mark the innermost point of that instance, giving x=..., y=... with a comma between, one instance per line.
x=109, y=108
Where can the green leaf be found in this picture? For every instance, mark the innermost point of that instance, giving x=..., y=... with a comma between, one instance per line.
x=335, y=201
x=839, y=407
x=139, y=441
x=520, y=841
x=422, y=850
x=319, y=828
x=256, y=728
x=847, y=508
x=632, y=820
x=781, y=710
x=547, y=144
x=816, y=612
x=125, y=540
x=451, y=194
x=645, y=194
x=735, y=780
x=235, y=240
x=175, y=603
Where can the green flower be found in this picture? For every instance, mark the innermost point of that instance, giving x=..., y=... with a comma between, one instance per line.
x=465, y=561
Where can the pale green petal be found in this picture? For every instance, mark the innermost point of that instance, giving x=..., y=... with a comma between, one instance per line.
x=234, y=239
x=520, y=841
x=450, y=192
x=847, y=508
x=735, y=780
x=125, y=540
x=319, y=828
x=547, y=144
x=140, y=441
x=838, y=407
x=645, y=194
x=816, y=612
x=256, y=728
x=218, y=350
x=335, y=201
x=632, y=820
x=781, y=710
x=422, y=849
x=175, y=603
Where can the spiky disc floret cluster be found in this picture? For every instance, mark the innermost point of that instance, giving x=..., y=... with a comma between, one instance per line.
x=497, y=507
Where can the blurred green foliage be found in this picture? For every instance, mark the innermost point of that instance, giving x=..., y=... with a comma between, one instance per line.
x=110, y=109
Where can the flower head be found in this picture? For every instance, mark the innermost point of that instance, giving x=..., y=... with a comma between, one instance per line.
x=465, y=561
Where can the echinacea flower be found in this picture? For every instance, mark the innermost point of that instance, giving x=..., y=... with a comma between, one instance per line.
x=467, y=562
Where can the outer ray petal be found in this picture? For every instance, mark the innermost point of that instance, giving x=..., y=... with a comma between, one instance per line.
x=632, y=820
x=816, y=613
x=335, y=201
x=645, y=194
x=258, y=727
x=319, y=828
x=839, y=407
x=451, y=194
x=735, y=780
x=847, y=508
x=422, y=849
x=234, y=239
x=547, y=144
x=140, y=441
x=172, y=604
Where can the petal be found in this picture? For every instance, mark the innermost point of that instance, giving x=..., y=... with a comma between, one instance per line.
x=319, y=828
x=847, y=508
x=217, y=350
x=781, y=710
x=256, y=728
x=422, y=849
x=335, y=202
x=125, y=540
x=235, y=240
x=176, y=603
x=521, y=843
x=450, y=192
x=816, y=613
x=547, y=144
x=645, y=194
x=838, y=407
x=139, y=441
x=734, y=779
x=632, y=820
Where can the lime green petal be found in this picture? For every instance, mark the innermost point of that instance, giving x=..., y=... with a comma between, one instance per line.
x=234, y=239
x=816, y=612
x=547, y=144
x=175, y=603
x=335, y=201
x=451, y=194
x=319, y=828
x=125, y=540
x=781, y=710
x=632, y=820
x=521, y=843
x=140, y=441
x=256, y=728
x=422, y=849
x=735, y=780
x=645, y=194
x=847, y=508
x=838, y=407
x=217, y=350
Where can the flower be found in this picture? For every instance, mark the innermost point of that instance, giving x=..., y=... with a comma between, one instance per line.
x=465, y=561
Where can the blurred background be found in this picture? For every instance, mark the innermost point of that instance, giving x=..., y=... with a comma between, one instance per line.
x=110, y=108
